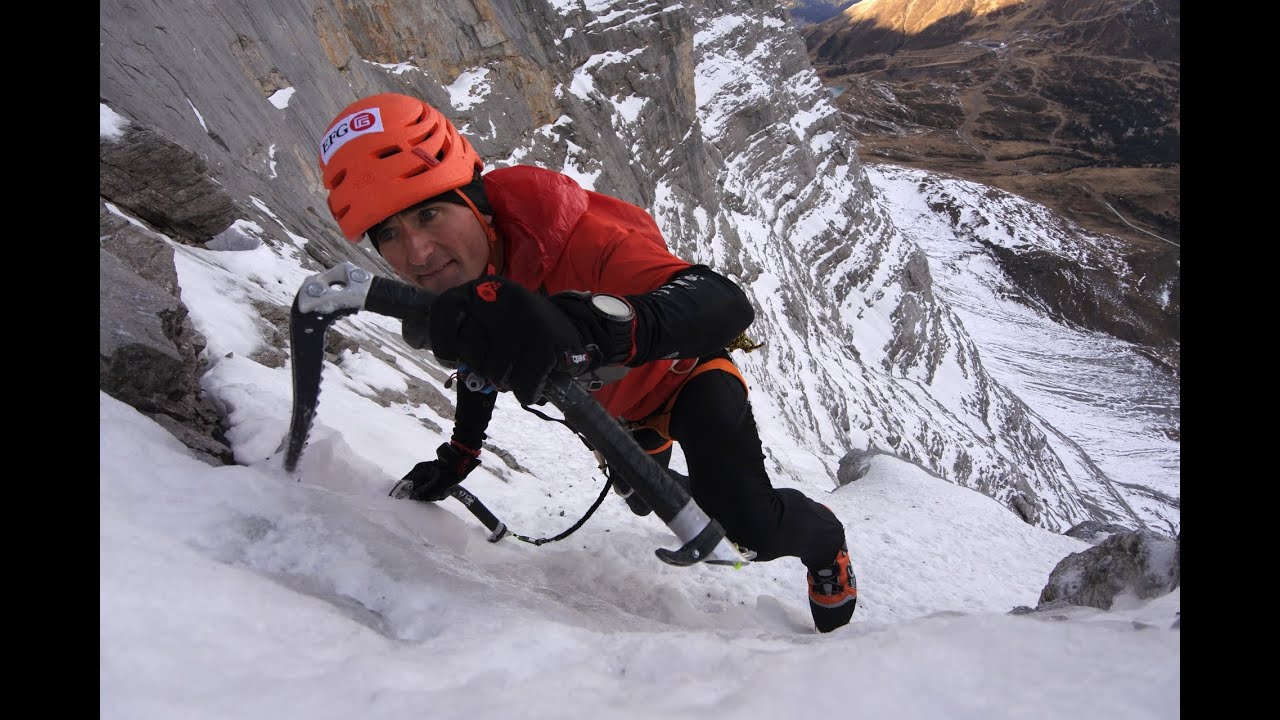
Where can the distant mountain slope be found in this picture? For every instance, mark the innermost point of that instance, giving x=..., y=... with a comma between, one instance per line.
x=1072, y=103
x=810, y=12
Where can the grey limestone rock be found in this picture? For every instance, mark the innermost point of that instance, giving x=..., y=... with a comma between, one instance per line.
x=1140, y=561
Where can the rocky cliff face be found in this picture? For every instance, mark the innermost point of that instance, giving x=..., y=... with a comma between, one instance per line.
x=709, y=115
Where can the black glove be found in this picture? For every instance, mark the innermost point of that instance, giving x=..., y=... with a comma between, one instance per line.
x=415, y=333
x=511, y=336
x=612, y=338
x=433, y=480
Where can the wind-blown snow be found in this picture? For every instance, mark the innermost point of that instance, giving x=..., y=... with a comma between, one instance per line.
x=468, y=89
x=111, y=124
x=199, y=117
x=280, y=98
x=395, y=68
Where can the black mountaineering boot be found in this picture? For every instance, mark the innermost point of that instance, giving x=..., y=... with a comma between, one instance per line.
x=833, y=593
x=634, y=502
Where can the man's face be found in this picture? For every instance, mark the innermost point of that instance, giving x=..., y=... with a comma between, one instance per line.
x=435, y=245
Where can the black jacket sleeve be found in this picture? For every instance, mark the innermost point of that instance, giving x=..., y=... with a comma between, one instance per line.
x=472, y=416
x=695, y=313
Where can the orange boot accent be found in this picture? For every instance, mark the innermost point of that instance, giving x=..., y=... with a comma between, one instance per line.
x=833, y=593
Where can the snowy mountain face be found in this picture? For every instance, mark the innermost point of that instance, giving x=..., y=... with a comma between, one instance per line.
x=886, y=328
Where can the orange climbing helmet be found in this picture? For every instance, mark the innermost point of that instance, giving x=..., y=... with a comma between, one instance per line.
x=388, y=152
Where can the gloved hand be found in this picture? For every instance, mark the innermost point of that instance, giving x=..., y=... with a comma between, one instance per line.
x=612, y=338
x=415, y=332
x=513, y=337
x=432, y=480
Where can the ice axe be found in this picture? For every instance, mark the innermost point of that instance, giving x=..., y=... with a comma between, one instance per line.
x=346, y=289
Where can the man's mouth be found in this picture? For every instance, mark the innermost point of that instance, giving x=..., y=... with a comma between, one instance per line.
x=432, y=273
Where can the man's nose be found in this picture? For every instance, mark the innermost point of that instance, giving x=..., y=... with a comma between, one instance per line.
x=421, y=245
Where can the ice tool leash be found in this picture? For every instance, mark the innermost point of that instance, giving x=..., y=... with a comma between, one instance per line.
x=404, y=489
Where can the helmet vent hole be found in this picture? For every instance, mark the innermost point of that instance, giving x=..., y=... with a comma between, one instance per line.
x=415, y=172
x=429, y=159
x=387, y=152
x=337, y=179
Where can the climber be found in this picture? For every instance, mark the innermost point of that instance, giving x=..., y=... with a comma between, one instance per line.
x=534, y=275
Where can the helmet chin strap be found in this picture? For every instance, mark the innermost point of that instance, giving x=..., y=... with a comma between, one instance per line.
x=489, y=232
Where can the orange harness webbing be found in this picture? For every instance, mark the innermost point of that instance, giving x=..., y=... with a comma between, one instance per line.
x=660, y=421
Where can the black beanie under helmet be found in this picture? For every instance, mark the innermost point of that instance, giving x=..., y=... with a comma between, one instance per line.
x=474, y=190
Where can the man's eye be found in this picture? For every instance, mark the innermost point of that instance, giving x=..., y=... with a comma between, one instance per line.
x=426, y=214
x=384, y=235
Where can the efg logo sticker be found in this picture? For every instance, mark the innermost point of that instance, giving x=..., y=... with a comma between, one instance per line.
x=349, y=128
